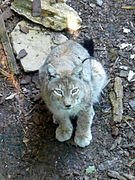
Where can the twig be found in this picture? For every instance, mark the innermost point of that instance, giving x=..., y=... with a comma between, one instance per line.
x=29, y=112
x=128, y=7
x=115, y=174
x=4, y=72
x=129, y=176
x=115, y=62
x=129, y=124
x=131, y=163
x=7, y=47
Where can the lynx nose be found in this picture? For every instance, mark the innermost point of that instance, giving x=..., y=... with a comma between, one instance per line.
x=68, y=105
x=67, y=102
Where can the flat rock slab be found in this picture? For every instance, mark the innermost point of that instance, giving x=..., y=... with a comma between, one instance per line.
x=54, y=15
x=36, y=43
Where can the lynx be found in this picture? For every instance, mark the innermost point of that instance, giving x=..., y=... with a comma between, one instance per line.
x=71, y=82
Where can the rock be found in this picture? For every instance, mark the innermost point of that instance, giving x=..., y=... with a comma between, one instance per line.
x=132, y=56
x=76, y=173
x=99, y=2
x=126, y=153
x=126, y=30
x=26, y=80
x=107, y=164
x=38, y=44
x=115, y=131
x=22, y=53
x=92, y=5
x=35, y=80
x=36, y=8
x=24, y=29
x=124, y=67
x=123, y=73
x=53, y=15
x=132, y=104
x=130, y=75
x=125, y=45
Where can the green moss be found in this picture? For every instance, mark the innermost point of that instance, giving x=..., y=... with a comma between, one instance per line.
x=22, y=5
x=113, y=54
x=3, y=36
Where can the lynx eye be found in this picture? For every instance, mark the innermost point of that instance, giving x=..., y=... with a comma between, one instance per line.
x=58, y=92
x=74, y=91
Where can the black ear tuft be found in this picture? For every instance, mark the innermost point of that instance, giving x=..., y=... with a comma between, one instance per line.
x=89, y=45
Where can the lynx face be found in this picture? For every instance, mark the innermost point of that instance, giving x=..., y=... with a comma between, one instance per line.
x=66, y=92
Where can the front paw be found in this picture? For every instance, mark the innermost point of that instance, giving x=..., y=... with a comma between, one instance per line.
x=63, y=134
x=83, y=140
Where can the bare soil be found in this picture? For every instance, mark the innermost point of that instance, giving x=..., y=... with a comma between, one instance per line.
x=28, y=148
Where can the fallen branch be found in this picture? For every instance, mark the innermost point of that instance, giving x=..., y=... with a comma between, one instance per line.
x=7, y=47
x=4, y=72
x=116, y=100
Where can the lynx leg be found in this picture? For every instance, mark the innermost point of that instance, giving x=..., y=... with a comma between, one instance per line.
x=83, y=134
x=64, y=130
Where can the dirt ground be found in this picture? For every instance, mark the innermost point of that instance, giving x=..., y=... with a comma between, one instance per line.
x=28, y=148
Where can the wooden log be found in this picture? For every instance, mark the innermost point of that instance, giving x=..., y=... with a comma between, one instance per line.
x=7, y=47
x=116, y=100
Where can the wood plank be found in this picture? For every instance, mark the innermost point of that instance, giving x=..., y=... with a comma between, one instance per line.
x=7, y=47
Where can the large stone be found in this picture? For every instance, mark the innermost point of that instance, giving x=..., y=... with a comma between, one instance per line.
x=54, y=15
x=36, y=43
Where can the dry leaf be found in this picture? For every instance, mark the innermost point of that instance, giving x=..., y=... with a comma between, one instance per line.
x=25, y=140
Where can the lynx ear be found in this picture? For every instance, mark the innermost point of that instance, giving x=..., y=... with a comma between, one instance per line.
x=77, y=71
x=52, y=71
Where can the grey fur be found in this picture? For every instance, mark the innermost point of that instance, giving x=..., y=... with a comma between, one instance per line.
x=70, y=87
